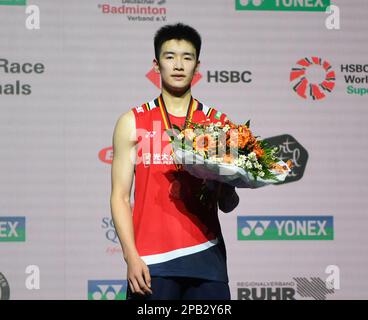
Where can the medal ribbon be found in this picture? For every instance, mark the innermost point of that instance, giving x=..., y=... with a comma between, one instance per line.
x=166, y=119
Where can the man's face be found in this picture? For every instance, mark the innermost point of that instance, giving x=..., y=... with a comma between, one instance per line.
x=178, y=64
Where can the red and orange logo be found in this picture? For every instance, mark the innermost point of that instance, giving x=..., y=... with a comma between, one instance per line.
x=304, y=87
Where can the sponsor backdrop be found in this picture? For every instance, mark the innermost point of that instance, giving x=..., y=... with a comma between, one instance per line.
x=69, y=69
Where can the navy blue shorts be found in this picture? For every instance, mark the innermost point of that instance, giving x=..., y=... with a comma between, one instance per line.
x=183, y=288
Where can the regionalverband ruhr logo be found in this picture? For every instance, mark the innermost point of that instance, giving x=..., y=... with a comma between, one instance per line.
x=290, y=148
x=107, y=289
x=12, y=229
x=306, y=69
x=282, y=5
x=285, y=228
x=299, y=288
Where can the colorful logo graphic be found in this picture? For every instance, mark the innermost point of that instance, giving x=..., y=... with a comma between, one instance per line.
x=107, y=289
x=285, y=228
x=282, y=5
x=12, y=229
x=304, y=87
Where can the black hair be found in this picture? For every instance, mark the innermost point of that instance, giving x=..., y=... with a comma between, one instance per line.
x=178, y=31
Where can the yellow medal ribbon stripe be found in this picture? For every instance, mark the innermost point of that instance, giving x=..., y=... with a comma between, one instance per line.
x=167, y=123
x=163, y=113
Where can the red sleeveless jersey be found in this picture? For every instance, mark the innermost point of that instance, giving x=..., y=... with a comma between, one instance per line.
x=174, y=233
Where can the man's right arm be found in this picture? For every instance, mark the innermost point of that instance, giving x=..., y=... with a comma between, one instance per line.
x=122, y=174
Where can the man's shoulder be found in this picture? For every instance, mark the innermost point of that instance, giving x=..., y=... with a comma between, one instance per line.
x=125, y=120
x=145, y=108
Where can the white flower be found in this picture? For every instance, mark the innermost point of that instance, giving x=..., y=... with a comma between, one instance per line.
x=248, y=164
x=226, y=128
x=243, y=157
x=238, y=163
x=252, y=156
x=218, y=124
x=216, y=134
x=261, y=174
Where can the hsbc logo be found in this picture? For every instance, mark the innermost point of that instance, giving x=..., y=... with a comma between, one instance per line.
x=232, y=76
x=285, y=228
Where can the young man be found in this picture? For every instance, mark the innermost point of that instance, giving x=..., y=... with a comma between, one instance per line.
x=172, y=242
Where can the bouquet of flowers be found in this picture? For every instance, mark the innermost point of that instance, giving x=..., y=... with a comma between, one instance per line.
x=227, y=153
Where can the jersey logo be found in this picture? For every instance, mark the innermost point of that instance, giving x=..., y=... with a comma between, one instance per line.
x=150, y=134
x=139, y=109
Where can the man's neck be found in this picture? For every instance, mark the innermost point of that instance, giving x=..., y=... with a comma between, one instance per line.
x=177, y=105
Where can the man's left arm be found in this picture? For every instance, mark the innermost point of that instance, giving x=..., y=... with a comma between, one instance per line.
x=227, y=197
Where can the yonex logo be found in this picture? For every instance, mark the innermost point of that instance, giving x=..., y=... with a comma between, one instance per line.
x=255, y=3
x=256, y=227
x=285, y=228
x=13, y=2
x=306, y=87
x=107, y=289
x=282, y=5
x=12, y=229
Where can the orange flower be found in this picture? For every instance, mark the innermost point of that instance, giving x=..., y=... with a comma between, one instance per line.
x=239, y=138
x=203, y=142
x=290, y=163
x=252, y=141
x=258, y=151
